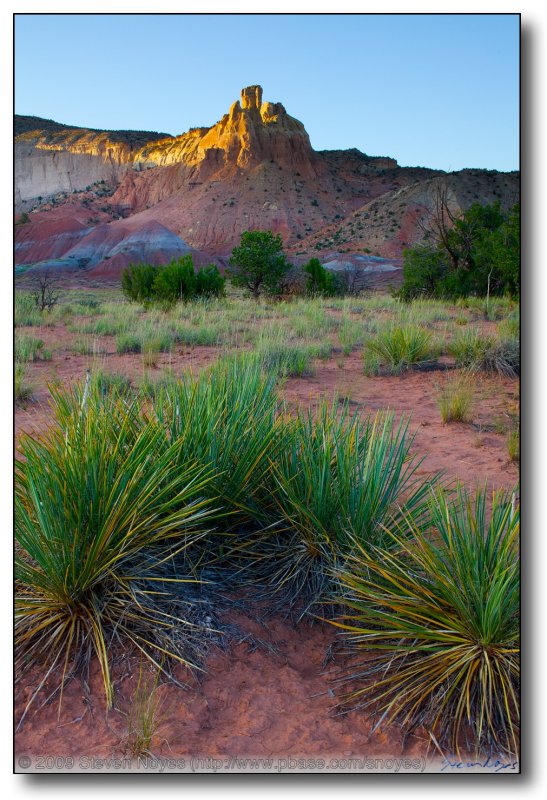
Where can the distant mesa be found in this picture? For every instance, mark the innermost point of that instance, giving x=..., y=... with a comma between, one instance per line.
x=256, y=168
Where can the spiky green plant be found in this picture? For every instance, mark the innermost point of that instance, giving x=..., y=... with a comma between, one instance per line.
x=339, y=479
x=29, y=348
x=436, y=619
x=400, y=347
x=101, y=516
x=503, y=357
x=226, y=420
x=470, y=347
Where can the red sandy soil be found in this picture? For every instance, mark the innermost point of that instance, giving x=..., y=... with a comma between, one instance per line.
x=253, y=702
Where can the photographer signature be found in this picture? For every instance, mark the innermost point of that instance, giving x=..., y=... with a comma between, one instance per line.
x=496, y=765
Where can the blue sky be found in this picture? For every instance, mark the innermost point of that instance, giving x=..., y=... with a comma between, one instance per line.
x=430, y=90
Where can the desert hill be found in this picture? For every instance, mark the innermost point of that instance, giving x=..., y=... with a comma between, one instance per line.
x=122, y=193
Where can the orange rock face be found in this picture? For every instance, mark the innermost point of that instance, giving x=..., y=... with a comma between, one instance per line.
x=254, y=169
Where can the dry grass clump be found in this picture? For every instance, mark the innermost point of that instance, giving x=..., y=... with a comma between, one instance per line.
x=22, y=389
x=475, y=351
x=145, y=713
x=29, y=348
x=455, y=399
x=513, y=444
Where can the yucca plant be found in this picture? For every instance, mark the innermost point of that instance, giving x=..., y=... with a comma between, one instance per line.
x=226, y=419
x=470, y=347
x=504, y=357
x=436, y=619
x=399, y=347
x=103, y=522
x=338, y=480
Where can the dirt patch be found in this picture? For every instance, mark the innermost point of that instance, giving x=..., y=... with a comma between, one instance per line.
x=473, y=453
x=276, y=701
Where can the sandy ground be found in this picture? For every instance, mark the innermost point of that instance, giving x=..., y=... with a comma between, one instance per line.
x=275, y=700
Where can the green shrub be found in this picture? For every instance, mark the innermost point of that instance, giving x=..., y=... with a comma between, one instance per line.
x=258, y=263
x=209, y=282
x=400, y=347
x=320, y=281
x=474, y=253
x=175, y=281
x=170, y=283
x=138, y=282
x=338, y=479
x=436, y=619
x=105, y=509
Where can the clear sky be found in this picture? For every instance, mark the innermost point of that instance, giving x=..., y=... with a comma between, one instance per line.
x=430, y=90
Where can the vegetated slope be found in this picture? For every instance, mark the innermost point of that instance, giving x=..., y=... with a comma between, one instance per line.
x=255, y=168
x=396, y=219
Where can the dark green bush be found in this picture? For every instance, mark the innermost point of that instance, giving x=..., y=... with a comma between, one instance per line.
x=477, y=253
x=138, y=282
x=320, y=281
x=171, y=282
x=176, y=280
x=258, y=263
x=209, y=282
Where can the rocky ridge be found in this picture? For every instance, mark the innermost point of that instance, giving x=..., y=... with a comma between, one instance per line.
x=255, y=168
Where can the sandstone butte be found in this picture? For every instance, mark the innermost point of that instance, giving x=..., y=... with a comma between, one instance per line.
x=97, y=200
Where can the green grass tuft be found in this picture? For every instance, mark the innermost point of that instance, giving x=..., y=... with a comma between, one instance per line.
x=400, y=347
x=455, y=399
